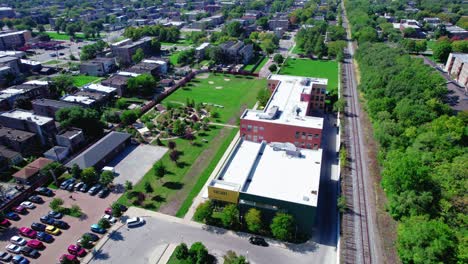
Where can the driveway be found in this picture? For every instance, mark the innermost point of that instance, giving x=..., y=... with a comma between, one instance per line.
x=134, y=162
x=92, y=206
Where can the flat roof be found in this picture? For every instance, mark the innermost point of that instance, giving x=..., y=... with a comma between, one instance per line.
x=128, y=74
x=160, y=62
x=12, y=33
x=286, y=101
x=462, y=56
x=261, y=170
x=78, y=99
x=37, y=82
x=29, y=116
x=100, y=88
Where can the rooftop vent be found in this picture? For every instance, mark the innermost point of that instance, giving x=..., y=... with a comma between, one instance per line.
x=305, y=198
x=270, y=114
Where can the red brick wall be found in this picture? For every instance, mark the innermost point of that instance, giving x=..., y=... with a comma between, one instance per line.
x=272, y=132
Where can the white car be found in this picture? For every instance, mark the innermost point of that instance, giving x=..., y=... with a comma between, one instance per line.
x=28, y=205
x=135, y=221
x=13, y=249
x=17, y=240
x=109, y=218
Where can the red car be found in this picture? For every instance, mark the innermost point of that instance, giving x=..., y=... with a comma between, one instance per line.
x=76, y=250
x=19, y=209
x=69, y=257
x=27, y=232
x=108, y=211
x=5, y=222
x=36, y=244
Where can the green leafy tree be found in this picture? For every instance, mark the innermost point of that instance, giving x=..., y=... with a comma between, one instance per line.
x=61, y=85
x=143, y=84
x=253, y=219
x=138, y=56
x=56, y=204
x=128, y=185
x=263, y=96
x=181, y=251
x=76, y=211
x=121, y=103
x=104, y=223
x=107, y=177
x=282, y=226
x=116, y=209
x=278, y=58
x=442, y=50
x=89, y=176
x=155, y=45
x=230, y=216
x=86, y=241
x=76, y=171
x=262, y=22
x=129, y=117
x=159, y=170
x=86, y=119
x=234, y=29
x=198, y=253
x=231, y=258
x=204, y=212
x=273, y=68
x=178, y=128
x=148, y=187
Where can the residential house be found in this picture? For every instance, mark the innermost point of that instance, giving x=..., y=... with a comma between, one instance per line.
x=14, y=39
x=71, y=138
x=124, y=52
x=31, y=172
x=49, y=107
x=237, y=51
x=20, y=141
x=98, y=66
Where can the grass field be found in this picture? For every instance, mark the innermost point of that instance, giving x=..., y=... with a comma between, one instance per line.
x=253, y=62
x=261, y=64
x=227, y=90
x=313, y=68
x=52, y=62
x=81, y=80
x=180, y=42
x=297, y=50
x=173, y=58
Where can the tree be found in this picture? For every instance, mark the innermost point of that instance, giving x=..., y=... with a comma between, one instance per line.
x=278, y=58
x=198, y=253
x=107, y=177
x=204, y=212
x=75, y=211
x=339, y=105
x=172, y=145
x=86, y=119
x=262, y=22
x=56, y=204
x=232, y=258
x=181, y=251
x=121, y=103
x=174, y=155
x=421, y=46
x=143, y=84
x=138, y=56
x=230, y=216
x=409, y=32
x=159, y=170
x=128, y=185
x=273, y=68
x=148, y=187
x=234, y=29
x=86, y=241
x=442, y=50
x=425, y=241
x=116, y=209
x=104, y=223
x=268, y=46
x=186, y=57
x=129, y=117
x=61, y=85
x=155, y=45
x=253, y=219
x=76, y=171
x=178, y=128
x=89, y=176
x=282, y=226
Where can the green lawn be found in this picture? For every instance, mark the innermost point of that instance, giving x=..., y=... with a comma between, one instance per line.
x=65, y=36
x=260, y=66
x=174, y=260
x=52, y=62
x=431, y=44
x=81, y=80
x=253, y=62
x=180, y=42
x=174, y=57
x=227, y=90
x=297, y=50
x=313, y=68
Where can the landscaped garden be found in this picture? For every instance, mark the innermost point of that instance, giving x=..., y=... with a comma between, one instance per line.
x=195, y=143
x=313, y=68
x=81, y=80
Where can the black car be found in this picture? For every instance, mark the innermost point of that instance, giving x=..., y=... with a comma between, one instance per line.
x=54, y=214
x=123, y=208
x=44, y=191
x=84, y=188
x=36, y=199
x=92, y=237
x=60, y=224
x=259, y=241
x=95, y=189
x=38, y=227
x=103, y=193
x=47, y=220
x=29, y=252
x=42, y=236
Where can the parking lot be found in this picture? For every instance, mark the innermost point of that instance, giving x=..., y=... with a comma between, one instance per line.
x=92, y=206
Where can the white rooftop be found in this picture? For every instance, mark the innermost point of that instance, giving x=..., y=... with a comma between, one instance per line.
x=78, y=99
x=287, y=100
x=203, y=46
x=160, y=62
x=30, y=62
x=13, y=33
x=29, y=116
x=100, y=88
x=37, y=82
x=256, y=168
x=131, y=74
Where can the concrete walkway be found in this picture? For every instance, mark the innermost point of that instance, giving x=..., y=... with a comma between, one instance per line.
x=224, y=125
x=164, y=258
x=199, y=199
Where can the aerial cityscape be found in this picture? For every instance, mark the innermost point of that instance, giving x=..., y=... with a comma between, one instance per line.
x=234, y=132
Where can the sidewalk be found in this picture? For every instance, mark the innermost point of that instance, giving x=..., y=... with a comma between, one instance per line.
x=164, y=258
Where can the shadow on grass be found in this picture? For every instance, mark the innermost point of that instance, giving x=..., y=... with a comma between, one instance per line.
x=150, y=206
x=182, y=164
x=158, y=198
x=173, y=185
x=197, y=144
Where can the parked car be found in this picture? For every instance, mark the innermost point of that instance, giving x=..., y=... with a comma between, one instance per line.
x=27, y=232
x=259, y=241
x=38, y=227
x=43, y=236
x=104, y=192
x=47, y=219
x=54, y=214
x=29, y=252
x=60, y=224
x=5, y=257
x=97, y=229
x=36, y=244
x=76, y=250
x=5, y=223
x=108, y=211
x=95, y=189
x=52, y=230
x=36, y=199
x=78, y=186
x=45, y=191
x=17, y=240
x=109, y=218
x=19, y=209
x=65, y=183
x=12, y=248
x=28, y=204
x=12, y=216
x=84, y=188
x=70, y=187
x=135, y=221
x=18, y=259
x=52, y=55
x=71, y=258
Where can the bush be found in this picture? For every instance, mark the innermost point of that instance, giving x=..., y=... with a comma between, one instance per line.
x=273, y=68
x=75, y=211
x=86, y=241
x=253, y=219
x=56, y=204
x=128, y=185
x=230, y=216
x=181, y=251
x=282, y=226
x=116, y=210
x=104, y=223
x=198, y=253
x=204, y=212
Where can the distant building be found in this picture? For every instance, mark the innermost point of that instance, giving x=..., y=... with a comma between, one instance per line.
x=30, y=173
x=119, y=81
x=102, y=152
x=456, y=31
x=9, y=157
x=200, y=50
x=124, y=50
x=14, y=40
x=457, y=67
x=18, y=140
x=278, y=22
x=71, y=138
x=49, y=107
x=287, y=115
x=411, y=23
x=237, y=51
x=149, y=66
x=99, y=88
x=43, y=126
x=29, y=90
x=432, y=21
x=7, y=12
x=98, y=66
x=10, y=70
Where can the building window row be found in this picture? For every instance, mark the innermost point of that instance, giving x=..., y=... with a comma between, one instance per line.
x=304, y=135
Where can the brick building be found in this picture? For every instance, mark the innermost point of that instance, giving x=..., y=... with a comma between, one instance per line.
x=124, y=50
x=48, y=107
x=15, y=39
x=98, y=66
x=287, y=117
x=18, y=140
x=29, y=90
x=457, y=67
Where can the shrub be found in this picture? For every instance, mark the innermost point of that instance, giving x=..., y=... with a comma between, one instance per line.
x=181, y=251
x=104, y=223
x=75, y=211
x=55, y=204
x=204, y=211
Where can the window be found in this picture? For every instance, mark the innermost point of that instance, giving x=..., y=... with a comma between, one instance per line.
x=249, y=137
x=243, y=126
x=321, y=98
x=255, y=129
x=316, y=98
x=317, y=135
x=260, y=138
x=262, y=128
x=249, y=128
x=296, y=144
x=315, y=146
x=298, y=134
x=255, y=138
x=309, y=146
x=303, y=135
x=309, y=136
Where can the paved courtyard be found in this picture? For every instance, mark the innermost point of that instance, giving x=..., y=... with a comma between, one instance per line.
x=135, y=161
